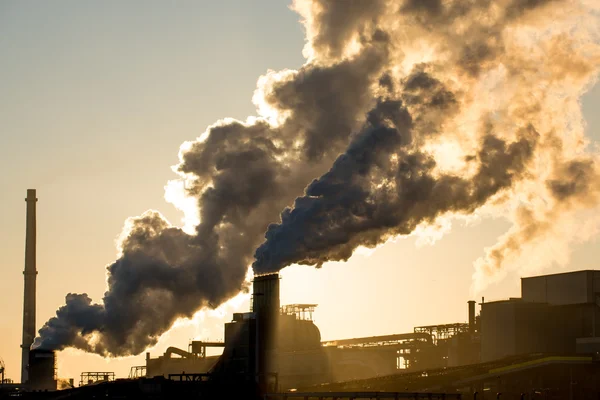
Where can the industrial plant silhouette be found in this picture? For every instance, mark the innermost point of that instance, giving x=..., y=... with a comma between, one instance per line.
x=403, y=117
x=545, y=343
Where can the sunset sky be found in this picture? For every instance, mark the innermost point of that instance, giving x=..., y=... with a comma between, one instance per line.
x=96, y=99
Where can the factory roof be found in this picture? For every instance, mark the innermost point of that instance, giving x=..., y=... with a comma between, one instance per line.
x=579, y=271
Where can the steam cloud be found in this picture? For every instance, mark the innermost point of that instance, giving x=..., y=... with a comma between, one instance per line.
x=402, y=114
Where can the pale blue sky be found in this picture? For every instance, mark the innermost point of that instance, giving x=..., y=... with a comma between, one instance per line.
x=95, y=100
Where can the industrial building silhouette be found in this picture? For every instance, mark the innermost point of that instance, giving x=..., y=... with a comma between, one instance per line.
x=545, y=343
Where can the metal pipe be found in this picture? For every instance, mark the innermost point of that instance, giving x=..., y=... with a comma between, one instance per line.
x=175, y=350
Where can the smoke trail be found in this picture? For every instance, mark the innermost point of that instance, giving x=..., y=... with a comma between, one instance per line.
x=384, y=185
x=547, y=225
x=403, y=111
x=242, y=174
x=518, y=68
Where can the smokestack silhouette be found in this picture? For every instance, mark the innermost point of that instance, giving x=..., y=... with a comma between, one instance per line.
x=471, y=315
x=30, y=274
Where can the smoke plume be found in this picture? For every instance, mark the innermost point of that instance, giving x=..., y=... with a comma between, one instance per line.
x=242, y=175
x=403, y=112
x=490, y=92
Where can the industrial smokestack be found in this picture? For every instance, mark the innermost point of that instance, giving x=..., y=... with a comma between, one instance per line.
x=30, y=274
x=265, y=297
x=471, y=316
x=265, y=304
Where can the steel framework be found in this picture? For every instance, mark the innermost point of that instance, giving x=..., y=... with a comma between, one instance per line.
x=198, y=347
x=442, y=332
x=138, y=371
x=89, y=378
x=301, y=311
x=379, y=341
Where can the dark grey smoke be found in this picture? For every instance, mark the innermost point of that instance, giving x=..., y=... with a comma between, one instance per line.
x=243, y=175
x=573, y=179
x=163, y=274
x=366, y=197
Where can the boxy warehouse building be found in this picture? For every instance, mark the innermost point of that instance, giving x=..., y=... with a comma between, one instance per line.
x=556, y=314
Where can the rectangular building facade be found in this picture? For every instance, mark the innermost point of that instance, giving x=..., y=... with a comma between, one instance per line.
x=576, y=287
x=553, y=315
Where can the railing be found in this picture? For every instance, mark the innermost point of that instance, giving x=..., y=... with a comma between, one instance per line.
x=89, y=378
x=138, y=371
x=183, y=377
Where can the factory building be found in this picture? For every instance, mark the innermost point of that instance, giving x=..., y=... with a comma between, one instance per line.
x=281, y=347
x=528, y=346
x=556, y=314
x=554, y=322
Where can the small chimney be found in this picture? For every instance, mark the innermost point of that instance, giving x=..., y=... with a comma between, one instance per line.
x=30, y=274
x=265, y=296
x=265, y=305
x=471, y=316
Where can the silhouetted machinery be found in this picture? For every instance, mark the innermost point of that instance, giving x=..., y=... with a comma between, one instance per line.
x=281, y=347
x=194, y=360
x=277, y=348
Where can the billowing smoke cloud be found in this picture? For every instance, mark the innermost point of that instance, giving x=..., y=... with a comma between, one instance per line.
x=573, y=189
x=242, y=174
x=501, y=92
x=404, y=112
x=384, y=185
